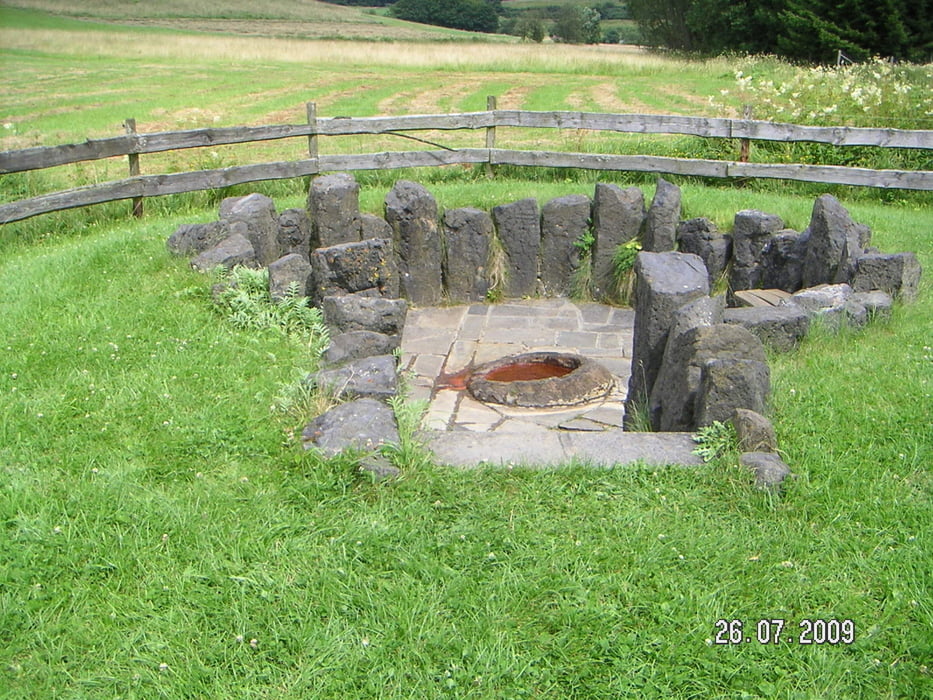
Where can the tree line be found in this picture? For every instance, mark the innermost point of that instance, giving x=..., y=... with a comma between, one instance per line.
x=813, y=31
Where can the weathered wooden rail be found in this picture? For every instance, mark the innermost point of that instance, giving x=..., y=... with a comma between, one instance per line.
x=132, y=145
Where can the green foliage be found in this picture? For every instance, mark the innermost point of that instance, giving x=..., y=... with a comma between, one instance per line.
x=531, y=28
x=875, y=93
x=623, y=267
x=469, y=15
x=715, y=440
x=810, y=30
x=585, y=241
x=576, y=24
x=243, y=296
x=411, y=452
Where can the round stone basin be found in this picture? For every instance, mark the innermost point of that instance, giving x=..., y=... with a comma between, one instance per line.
x=540, y=380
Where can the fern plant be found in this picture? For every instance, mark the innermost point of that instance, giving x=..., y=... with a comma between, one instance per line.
x=242, y=295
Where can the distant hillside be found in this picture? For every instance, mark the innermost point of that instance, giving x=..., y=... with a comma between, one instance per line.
x=275, y=18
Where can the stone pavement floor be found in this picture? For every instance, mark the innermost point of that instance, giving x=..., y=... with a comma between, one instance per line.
x=440, y=342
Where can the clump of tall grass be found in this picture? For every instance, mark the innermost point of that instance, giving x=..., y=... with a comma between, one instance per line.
x=623, y=267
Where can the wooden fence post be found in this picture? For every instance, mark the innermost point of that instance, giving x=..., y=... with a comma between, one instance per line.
x=745, y=145
x=490, y=133
x=312, y=122
x=130, y=126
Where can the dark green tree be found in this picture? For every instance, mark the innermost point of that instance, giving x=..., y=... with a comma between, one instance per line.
x=530, y=28
x=577, y=25
x=471, y=15
x=809, y=30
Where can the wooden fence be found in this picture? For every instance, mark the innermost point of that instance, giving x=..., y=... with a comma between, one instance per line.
x=136, y=187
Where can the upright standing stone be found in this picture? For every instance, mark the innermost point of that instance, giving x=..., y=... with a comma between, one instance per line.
x=751, y=235
x=664, y=283
x=254, y=217
x=618, y=216
x=519, y=229
x=334, y=206
x=467, y=233
x=411, y=211
x=676, y=391
x=295, y=232
x=564, y=220
x=782, y=261
x=730, y=383
x=701, y=237
x=835, y=243
x=660, y=233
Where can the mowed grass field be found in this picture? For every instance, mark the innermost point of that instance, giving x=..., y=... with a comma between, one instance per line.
x=163, y=535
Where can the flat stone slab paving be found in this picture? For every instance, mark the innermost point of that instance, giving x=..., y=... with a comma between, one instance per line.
x=440, y=342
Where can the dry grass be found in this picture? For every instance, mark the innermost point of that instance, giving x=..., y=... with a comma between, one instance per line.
x=547, y=58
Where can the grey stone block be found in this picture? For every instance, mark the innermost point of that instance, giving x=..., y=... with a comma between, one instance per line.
x=835, y=243
x=372, y=226
x=191, y=239
x=291, y=269
x=369, y=377
x=366, y=267
x=295, y=232
x=468, y=235
x=769, y=469
x=730, y=383
x=782, y=261
x=355, y=345
x=334, y=208
x=564, y=220
x=755, y=433
x=230, y=252
x=254, y=216
x=364, y=424
x=357, y=313
x=779, y=327
x=618, y=216
x=519, y=229
x=897, y=274
x=660, y=230
x=701, y=237
x=674, y=397
x=411, y=211
x=664, y=283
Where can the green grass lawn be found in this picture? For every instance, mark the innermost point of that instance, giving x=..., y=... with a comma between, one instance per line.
x=159, y=516
x=163, y=534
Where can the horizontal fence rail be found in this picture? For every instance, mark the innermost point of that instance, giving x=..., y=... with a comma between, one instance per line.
x=132, y=145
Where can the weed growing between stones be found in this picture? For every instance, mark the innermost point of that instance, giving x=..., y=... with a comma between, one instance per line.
x=715, y=440
x=299, y=401
x=410, y=451
x=623, y=264
x=498, y=270
x=581, y=281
